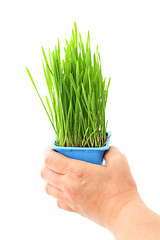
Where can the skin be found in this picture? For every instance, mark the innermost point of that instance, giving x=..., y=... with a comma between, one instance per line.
x=106, y=194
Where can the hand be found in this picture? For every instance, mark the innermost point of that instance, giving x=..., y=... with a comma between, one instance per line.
x=96, y=192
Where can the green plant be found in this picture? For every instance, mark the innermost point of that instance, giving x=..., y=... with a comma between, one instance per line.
x=78, y=94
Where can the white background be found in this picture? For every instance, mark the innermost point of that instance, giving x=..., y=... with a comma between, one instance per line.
x=128, y=34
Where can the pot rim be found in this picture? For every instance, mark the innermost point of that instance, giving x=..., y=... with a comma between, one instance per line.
x=105, y=147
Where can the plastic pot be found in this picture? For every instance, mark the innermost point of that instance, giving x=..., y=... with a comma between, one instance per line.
x=91, y=155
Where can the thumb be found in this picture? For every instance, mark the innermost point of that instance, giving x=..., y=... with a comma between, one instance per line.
x=110, y=154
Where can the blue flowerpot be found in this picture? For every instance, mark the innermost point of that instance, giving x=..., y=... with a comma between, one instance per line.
x=91, y=155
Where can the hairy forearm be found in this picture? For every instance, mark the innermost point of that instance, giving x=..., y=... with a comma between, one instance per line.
x=137, y=221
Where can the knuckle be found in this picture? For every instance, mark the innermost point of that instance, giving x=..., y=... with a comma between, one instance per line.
x=47, y=159
x=69, y=191
x=76, y=172
x=47, y=188
x=79, y=173
x=59, y=195
x=47, y=156
x=59, y=204
x=42, y=173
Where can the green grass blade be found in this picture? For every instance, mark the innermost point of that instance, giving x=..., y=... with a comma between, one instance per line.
x=89, y=137
x=39, y=96
x=77, y=93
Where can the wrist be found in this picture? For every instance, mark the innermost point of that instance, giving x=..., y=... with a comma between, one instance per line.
x=115, y=206
x=136, y=220
x=124, y=220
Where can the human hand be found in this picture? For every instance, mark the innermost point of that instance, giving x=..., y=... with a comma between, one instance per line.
x=96, y=192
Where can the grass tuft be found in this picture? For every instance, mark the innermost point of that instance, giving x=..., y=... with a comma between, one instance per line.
x=77, y=94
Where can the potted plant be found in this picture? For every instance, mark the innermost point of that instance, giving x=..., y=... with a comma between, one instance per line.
x=78, y=96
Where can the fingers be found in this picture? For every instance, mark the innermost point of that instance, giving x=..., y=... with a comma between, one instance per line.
x=64, y=206
x=53, y=178
x=54, y=192
x=57, y=162
x=62, y=164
